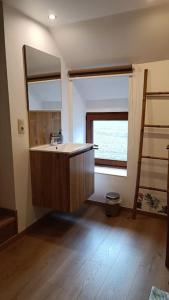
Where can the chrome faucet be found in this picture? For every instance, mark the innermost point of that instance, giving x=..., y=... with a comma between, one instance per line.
x=53, y=139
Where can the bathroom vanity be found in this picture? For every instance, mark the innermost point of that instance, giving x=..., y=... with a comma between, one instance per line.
x=62, y=176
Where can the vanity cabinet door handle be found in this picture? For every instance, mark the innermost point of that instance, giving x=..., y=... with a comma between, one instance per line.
x=95, y=147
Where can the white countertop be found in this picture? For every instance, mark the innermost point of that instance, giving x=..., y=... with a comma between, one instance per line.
x=62, y=148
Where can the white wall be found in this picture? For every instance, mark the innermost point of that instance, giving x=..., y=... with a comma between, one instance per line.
x=153, y=173
x=115, y=105
x=78, y=115
x=20, y=30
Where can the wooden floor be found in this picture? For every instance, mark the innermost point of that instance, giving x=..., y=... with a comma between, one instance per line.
x=86, y=257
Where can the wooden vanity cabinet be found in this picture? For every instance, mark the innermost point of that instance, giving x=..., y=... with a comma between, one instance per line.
x=62, y=181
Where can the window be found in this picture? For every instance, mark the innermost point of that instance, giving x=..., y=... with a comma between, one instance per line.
x=110, y=132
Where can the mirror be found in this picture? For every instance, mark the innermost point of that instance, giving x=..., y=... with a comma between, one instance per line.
x=44, y=96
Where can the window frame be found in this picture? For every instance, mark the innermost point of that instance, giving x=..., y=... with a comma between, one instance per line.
x=104, y=116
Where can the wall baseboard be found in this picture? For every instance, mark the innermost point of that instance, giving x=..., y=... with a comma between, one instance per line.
x=140, y=212
x=150, y=214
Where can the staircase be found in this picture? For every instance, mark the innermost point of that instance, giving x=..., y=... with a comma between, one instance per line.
x=8, y=224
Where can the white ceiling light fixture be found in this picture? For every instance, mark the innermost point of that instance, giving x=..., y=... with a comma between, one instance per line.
x=52, y=17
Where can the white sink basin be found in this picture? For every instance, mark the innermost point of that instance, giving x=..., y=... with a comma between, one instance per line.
x=62, y=148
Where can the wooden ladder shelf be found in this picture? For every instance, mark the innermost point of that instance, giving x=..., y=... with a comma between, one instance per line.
x=147, y=96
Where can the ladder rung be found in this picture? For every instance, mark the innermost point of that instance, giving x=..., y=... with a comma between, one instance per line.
x=157, y=93
x=152, y=189
x=155, y=157
x=156, y=126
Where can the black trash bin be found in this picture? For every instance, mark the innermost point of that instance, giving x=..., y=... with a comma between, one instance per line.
x=113, y=201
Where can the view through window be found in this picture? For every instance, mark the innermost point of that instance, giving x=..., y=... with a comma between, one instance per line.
x=112, y=139
x=110, y=132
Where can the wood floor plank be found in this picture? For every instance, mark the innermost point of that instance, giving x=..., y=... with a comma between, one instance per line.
x=86, y=257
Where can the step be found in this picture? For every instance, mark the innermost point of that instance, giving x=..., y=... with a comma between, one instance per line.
x=5, y=221
x=8, y=225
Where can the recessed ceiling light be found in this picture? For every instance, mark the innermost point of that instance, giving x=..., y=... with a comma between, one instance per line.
x=52, y=17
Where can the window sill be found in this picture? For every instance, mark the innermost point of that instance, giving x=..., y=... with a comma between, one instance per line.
x=110, y=171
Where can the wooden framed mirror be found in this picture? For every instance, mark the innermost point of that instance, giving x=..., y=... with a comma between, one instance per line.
x=44, y=95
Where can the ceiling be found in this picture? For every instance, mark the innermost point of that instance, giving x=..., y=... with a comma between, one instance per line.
x=129, y=38
x=72, y=11
x=102, y=88
x=100, y=33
